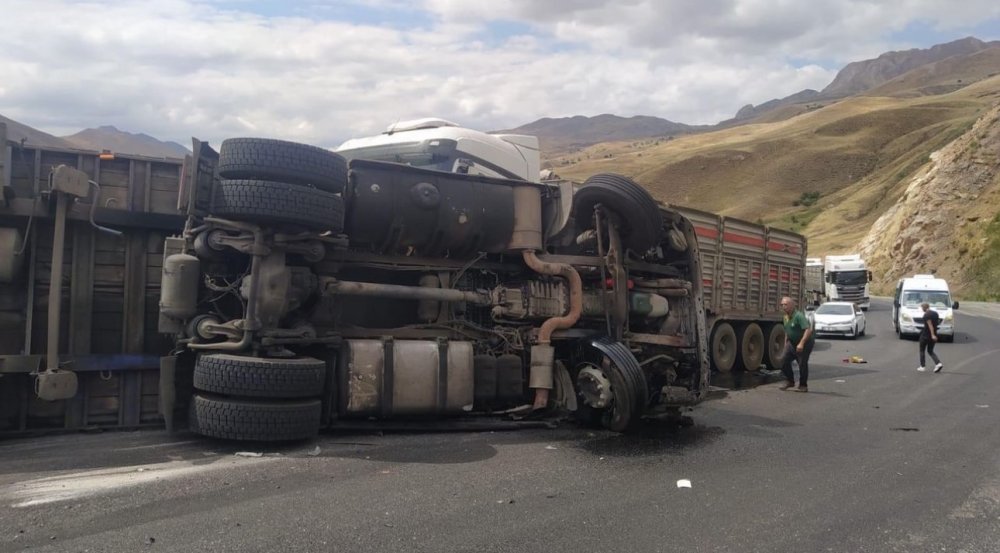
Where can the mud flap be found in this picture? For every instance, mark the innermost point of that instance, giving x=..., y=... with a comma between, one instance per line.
x=168, y=390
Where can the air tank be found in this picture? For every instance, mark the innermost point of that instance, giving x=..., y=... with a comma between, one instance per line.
x=179, y=287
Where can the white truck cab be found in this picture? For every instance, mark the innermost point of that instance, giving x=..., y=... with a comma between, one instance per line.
x=433, y=143
x=847, y=279
x=918, y=289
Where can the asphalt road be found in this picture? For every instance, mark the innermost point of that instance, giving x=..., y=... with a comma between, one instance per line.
x=876, y=457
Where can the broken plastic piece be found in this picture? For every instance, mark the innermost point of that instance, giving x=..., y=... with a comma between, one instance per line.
x=684, y=483
x=249, y=454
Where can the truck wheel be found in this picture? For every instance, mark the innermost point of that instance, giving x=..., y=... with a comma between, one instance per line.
x=278, y=203
x=227, y=374
x=774, y=353
x=233, y=419
x=629, y=393
x=751, y=347
x=641, y=221
x=278, y=160
x=724, y=348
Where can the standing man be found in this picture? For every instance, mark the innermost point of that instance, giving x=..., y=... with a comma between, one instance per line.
x=928, y=337
x=799, y=341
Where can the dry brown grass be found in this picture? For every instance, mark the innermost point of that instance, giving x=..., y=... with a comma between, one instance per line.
x=857, y=153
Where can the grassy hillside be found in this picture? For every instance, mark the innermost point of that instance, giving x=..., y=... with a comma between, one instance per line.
x=828, y=171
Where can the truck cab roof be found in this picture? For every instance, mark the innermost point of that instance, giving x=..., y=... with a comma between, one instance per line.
x=436, y=143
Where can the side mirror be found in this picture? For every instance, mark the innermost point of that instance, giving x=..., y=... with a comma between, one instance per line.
x=954, y=305
x=869, y=275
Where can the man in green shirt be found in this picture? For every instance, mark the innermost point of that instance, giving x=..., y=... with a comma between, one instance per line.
x=799, y=341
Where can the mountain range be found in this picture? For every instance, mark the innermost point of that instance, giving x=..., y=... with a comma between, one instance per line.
x=906, y=171
x=560, y=136
x=96, y=139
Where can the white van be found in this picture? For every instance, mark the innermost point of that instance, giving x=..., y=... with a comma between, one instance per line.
x=910, y=293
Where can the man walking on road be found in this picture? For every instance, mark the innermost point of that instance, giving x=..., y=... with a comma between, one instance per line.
x=799, y=341
x=928, y=337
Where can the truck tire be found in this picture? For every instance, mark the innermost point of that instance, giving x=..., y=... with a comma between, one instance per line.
x=751, y=347
x=641, y=221
x=724, y=347
x=774, y=351
x=630, y=395
x=223, y=373
x=278, y=203
x=234, y=419
x=278, y=160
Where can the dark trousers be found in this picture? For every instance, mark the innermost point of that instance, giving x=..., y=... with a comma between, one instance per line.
x=802, y=358
x=926, y=344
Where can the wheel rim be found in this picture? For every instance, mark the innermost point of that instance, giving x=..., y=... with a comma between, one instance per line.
x=724, y=347
x=775, y=346
x=752, y=347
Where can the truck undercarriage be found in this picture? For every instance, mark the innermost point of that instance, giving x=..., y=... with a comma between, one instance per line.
x=305, y=292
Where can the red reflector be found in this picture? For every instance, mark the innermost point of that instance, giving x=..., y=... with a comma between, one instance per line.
x=610, y=283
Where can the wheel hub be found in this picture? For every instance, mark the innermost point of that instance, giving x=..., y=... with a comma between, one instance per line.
x=594, y=387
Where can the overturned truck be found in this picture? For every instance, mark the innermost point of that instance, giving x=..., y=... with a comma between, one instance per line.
x=303, y=289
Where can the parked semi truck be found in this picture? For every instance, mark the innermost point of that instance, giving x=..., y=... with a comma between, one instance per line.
x=815, y=281
x=303, y=289
x=847, y=278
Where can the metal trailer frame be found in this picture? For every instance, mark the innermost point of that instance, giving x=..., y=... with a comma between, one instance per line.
x=108, y=289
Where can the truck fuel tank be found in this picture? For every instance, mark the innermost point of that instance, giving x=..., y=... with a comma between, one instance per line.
x=384, y=378
x=394, y=208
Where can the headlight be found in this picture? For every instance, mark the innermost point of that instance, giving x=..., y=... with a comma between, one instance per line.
x=949, y=318
x=907, y=318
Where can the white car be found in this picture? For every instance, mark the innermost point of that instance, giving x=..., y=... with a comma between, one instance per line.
x=841, y=318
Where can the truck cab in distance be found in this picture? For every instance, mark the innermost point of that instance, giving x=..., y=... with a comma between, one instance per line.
x=846, y=279
x=906, y=311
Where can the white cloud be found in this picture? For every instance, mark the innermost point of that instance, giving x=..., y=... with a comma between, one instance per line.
x=178, y=68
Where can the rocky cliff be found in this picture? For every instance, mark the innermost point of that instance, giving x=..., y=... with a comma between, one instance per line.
x=945, y=220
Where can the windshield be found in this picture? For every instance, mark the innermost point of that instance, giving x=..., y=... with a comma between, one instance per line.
x=827, y=309
x=850, y=277
x=415, y=155
x=935, y=298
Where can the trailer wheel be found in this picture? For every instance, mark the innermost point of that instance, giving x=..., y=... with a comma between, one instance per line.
x=227, y=374
x=279, y=203
x=751, y=347
x=233, y=419
x=774, y=353
x=278, y=160
x=724, y=347
x=641, y=221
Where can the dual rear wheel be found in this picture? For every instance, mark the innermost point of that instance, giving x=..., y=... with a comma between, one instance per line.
x=255, y=398
x=746, y=346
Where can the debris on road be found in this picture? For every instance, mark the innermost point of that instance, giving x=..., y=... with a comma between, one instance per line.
x=684, y=483
x=854, y=359
x=249, y=454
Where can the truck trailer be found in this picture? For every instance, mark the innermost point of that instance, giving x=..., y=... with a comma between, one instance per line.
x=270, y=289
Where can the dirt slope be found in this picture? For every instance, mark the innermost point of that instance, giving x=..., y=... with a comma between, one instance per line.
x=829, y=172
x=947, y=220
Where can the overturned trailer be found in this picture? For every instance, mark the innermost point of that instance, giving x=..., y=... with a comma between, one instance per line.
x=303, y=291
x=91, y=337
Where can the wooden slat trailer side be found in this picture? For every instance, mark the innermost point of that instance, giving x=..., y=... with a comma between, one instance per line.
x=746, y=269
x=107, y=288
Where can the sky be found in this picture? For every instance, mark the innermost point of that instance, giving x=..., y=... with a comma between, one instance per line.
x=321, y=72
